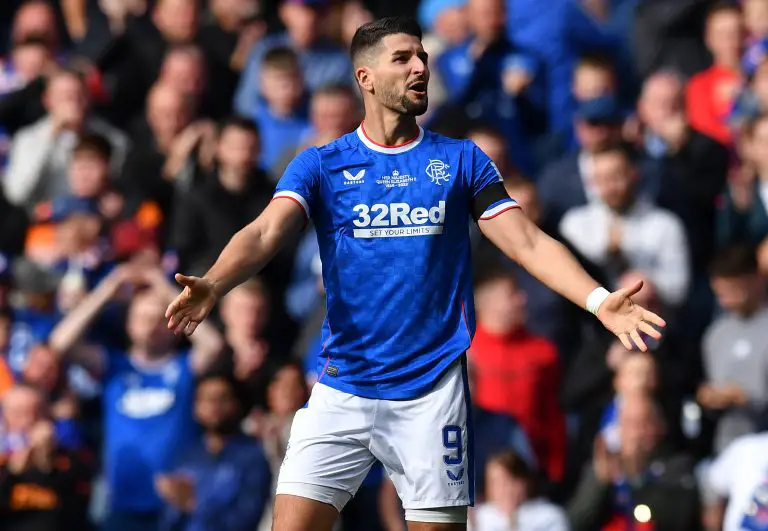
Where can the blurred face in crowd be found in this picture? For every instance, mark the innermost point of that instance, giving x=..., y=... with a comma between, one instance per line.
x=287, y=391
x=168, y=111
x=5, y=332
x=78, y=233
x=757, y=145
x=22, y=408
x=493, y=146
x=503, y=490
x=176, y=19
x=501, y=306
x=524, y=192
x=594, y=136
x=237, y=149
x=636, y=374
x=29, y=60
x=36, y=19
x=216, y=406
x=614, y=179
x=724, y=36
x=146, y=325
x=592, y=81
x=245, y=311
x=739, y=294
x=302, y=22
x=282, y=88
x=756, y=17
x=396, y=74
x=640, y=425
x=353, y=16
x=237, y=9
x=451, y=24
x=88, y=174
x=334, y=114
x=184, y=70
x=486, y=19
x=43, y=368
x=660, y=100
x=66, y=99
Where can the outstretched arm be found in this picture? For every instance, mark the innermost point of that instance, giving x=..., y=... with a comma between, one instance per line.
x=245, y=255
x=550, y=262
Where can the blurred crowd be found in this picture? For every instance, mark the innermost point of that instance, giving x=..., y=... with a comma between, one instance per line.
x=137, y=136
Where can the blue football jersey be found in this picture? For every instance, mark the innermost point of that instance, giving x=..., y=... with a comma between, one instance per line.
x=393, y=232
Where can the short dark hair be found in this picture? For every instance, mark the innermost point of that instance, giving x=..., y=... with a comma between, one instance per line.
x=227, y=376
x=336, y=89
x=240, y=122
x=280, y=58
x=622, y=148
x=493, y=274
x=487, y=129
x=368, y=36
x=734, y=261
x=596, y=61
x=723, y=6
x=93, y=144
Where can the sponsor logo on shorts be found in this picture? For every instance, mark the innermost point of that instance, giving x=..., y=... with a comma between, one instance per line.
x=457, y=478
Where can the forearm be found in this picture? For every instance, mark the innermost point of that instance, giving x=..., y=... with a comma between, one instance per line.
x=245, y=255
x=69, y=331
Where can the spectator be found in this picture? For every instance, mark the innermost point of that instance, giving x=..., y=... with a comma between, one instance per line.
x=225, y=200
x=593, y=77
x=642, y=483
x=500, y=98
x=738, y=478
x=625, y=230
x=756, y=18
x=282, y=117
x=148, y=390
x=735, y=351
x=492, y=143
x=683, y=171
x=710, y=94
x=518, y=373
x=40, y=152
x=223, y=481
x=334, y=111
x=513, y=502
x=184, y=69
x=321, y=62
x=568, y=182
x=41, y=486
x=743, y=213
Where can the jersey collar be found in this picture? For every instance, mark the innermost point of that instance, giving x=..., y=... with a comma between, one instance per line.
x=389, y=150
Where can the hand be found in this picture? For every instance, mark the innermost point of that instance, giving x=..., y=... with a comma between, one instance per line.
x=626, y=319
x=19, y=460
x=249, y=35
x=710, y=397
x=674, y=130
x=605, y=464
x=515, y=81
x=734, y=395
x=176, y=490
x=191, y=306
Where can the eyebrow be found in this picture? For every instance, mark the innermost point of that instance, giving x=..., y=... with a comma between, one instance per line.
x=420, y=53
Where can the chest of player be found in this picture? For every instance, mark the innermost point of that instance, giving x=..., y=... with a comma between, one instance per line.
x=389, y=196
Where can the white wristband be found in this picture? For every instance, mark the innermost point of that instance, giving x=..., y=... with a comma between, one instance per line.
x=596, y=298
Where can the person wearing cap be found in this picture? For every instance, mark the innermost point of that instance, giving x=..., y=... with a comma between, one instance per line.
x=322, y=62
x=567, y=183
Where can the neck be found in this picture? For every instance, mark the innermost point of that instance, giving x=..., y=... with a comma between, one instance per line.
x=731, y=63
x=389, y=129
x=146, y=355
x=232, y=179
x=750, y=308
x=214, y=442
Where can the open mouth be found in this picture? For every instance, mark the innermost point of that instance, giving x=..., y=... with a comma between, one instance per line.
x=419, y=87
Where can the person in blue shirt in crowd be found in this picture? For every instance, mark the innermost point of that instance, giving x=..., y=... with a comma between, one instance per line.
x=282, y=110
x=488, y=77
x=148, y=389
x=322, y=62
x=223, y=480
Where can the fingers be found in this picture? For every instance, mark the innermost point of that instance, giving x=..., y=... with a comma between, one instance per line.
x=653, y=318
x=635, y=289
x=191, y=327
x=625, y=341
x=638, y=340
x=185, y=280
x=648, y=329
x=179, y=328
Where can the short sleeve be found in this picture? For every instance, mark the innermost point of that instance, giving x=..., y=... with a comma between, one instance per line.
x=722, y=470
x=489, y=197
x=301, y=181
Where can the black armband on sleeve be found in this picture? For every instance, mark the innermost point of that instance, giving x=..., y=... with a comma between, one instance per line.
x=492, y=201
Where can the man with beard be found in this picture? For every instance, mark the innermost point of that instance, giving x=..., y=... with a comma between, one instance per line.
x=223, y=481
x=391, y=203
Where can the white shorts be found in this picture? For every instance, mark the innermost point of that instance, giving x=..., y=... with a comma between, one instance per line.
x=425, y=446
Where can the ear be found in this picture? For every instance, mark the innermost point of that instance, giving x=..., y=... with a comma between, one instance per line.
x=364, y=78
